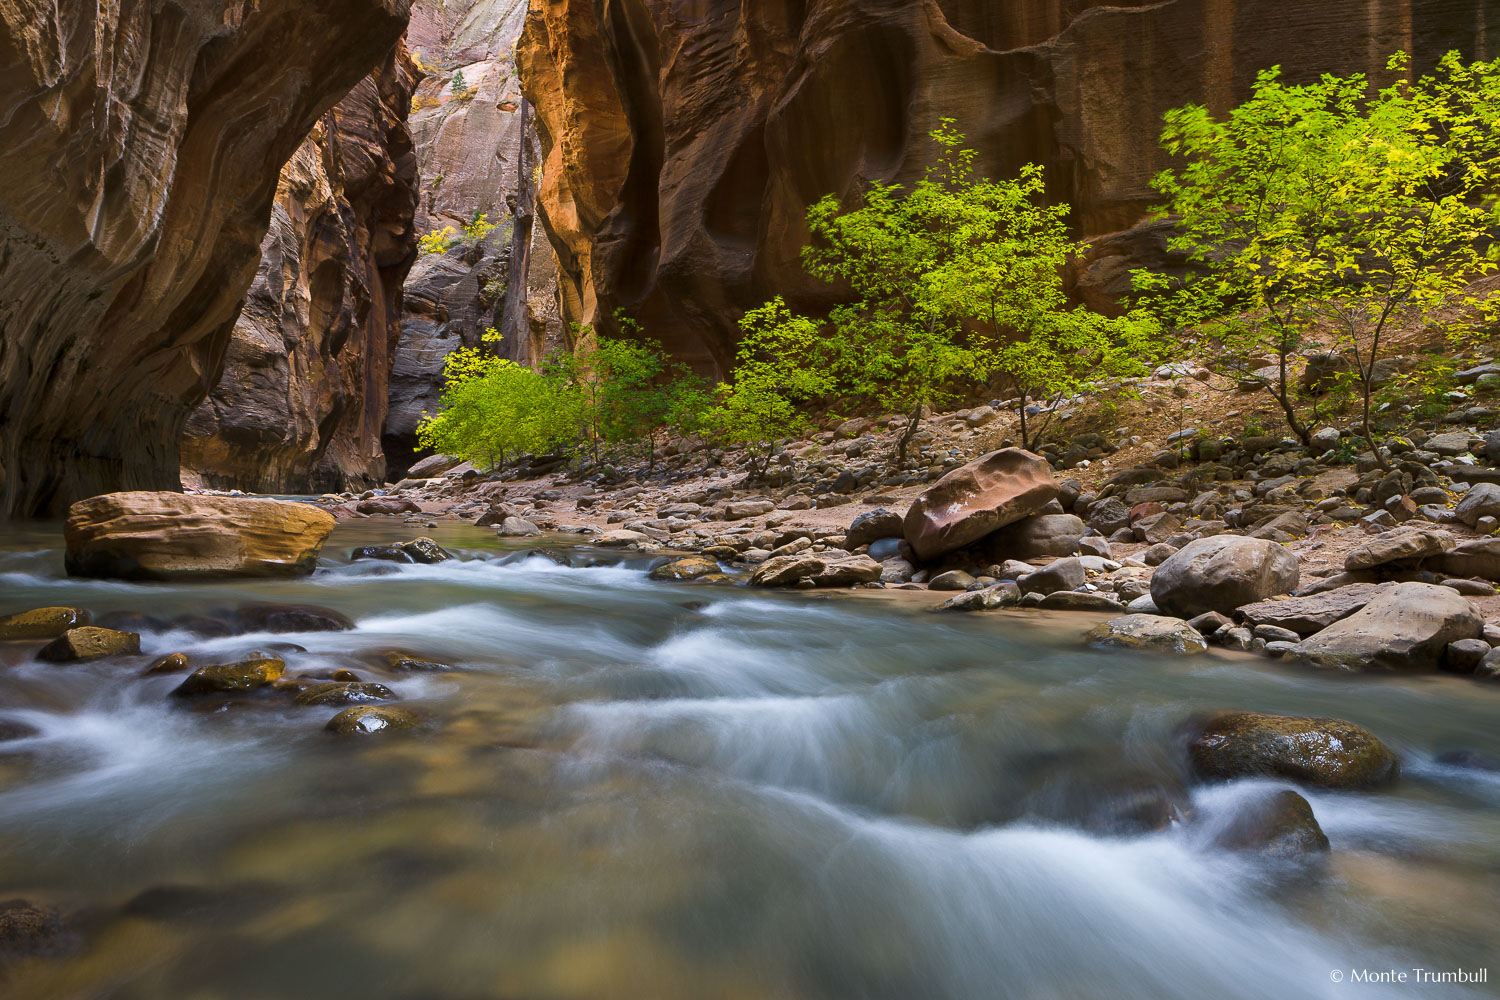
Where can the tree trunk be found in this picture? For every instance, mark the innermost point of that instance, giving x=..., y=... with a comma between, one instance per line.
x=515, y=323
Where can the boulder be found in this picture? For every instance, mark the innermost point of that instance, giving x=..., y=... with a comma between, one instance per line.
x=621, y=537
x=1482, y=500
x=226, y=678
x=953, y=579
x=976, y=499
x=433, y=465
x=1222, y=573
x=1109, y=516
x=1476, y=558
x=418, y=550
x=872, y=527
x=1465, y=655
x=846, y=571
x=823, y=569
x=1277, y=824
x=739, y=510
x=1000, y=595
x=1059, y=574
x=1080, y=600
x=1035, y=537
x=1404, y=627
x=687, y=568
x=1402, y=548
x=1149, y=632
x=43, y=623
x=1327, y=753
x=388, y=505
x=518, y=527
x=344, y=693
x=1306, y=615
x=169, y=536
x=290, y=618
x=88, y=642
x=366, y=720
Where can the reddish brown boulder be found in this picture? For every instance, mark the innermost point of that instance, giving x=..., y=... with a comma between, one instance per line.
x=973, y=500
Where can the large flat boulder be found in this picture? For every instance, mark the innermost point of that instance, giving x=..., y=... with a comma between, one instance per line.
x=1405, y=627
x=1403, y=547
x=170, y=536
x=1306, y=615
x=975, y=499
x=1222, y=573
x=822, y=569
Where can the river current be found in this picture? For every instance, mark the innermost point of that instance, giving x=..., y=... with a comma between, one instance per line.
x=630, y=789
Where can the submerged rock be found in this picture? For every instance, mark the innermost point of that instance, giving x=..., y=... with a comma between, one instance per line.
x=28, y=929
x=1279, y=824
x=169, y=536
x=1328, y=753
x=245, y=675
x=89, y=643
x=43, y=623
x=1149, y=632
x=172, y=663
x=407, y=663
x=290, y=618
x=367, y=719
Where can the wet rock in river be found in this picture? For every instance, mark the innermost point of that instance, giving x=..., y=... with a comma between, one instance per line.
x=336, y=693
x=688, y=568
x=1279, y=824
x=1155, y=633
x=407, y=663
x=13, y=730
x=364, y=720
x=43, y=623
x=172, y=663
x=290, y=618
x=28, y=929
x=418, y=550
x=245, y=675
x=89, y=642
x=1004, y=594
x=1328, y=753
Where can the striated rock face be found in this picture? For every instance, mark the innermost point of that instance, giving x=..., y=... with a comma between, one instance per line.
x=140, y=145
x=468, y=145
x=676, y=181
x=302, y=403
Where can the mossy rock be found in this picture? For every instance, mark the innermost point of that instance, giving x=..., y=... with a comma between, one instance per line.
x=89, y=642
x=244, y=675
x=1327, y=753
x=43, y=623
x=366, y=720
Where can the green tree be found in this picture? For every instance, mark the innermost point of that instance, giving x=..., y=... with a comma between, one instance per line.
x=780, y=367
x=1330, y=209
x=955, y=282
x=493, y=409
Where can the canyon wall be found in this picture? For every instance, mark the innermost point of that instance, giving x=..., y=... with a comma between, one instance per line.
x=141, y=146
x=684, y=141
x=466, y=126
x=302, y=402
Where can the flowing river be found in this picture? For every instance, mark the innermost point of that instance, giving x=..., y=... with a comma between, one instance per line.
x=629, y=789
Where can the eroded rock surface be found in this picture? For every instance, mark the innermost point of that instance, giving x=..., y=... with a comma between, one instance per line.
x=684, y=142
x=141, y=146
x=302, y=403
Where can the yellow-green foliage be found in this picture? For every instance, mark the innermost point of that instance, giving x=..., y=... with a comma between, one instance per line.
x=438, y=241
